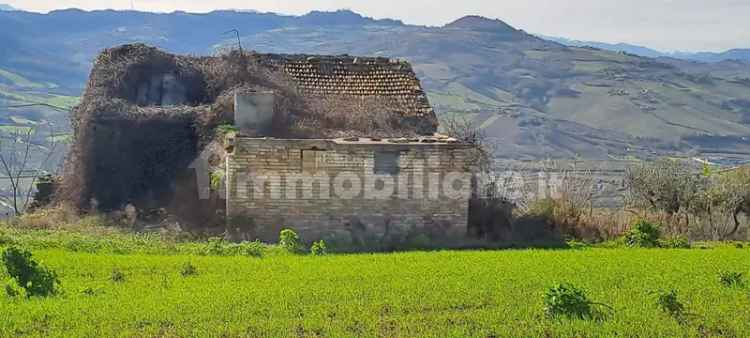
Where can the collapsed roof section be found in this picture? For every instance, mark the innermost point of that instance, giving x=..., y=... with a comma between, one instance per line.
x=318, y=96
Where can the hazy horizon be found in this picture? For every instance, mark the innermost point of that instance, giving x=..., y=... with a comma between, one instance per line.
x=665, y=25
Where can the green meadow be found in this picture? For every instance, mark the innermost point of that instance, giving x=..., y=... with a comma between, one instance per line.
x=119, y=285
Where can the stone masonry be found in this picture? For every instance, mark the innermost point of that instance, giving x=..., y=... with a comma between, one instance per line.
x=348, y=188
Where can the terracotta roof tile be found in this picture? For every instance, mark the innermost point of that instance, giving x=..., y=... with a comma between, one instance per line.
x=356, y=76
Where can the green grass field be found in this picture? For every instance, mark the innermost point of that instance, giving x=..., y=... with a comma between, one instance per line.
x=447, y=293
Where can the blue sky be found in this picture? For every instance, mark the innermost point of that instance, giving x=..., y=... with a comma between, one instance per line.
x=691, y=25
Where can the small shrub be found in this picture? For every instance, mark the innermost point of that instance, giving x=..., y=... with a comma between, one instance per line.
x=678, y=242
x=731, y=278
x=188, y=269
x=319, y=248
x=738, y=245
x=567, y=300
x=289, y=240
x=36, y=279
x=643, y=234
x=252, y=249
x=117, y=276
x=670, y=304
x=214, y=247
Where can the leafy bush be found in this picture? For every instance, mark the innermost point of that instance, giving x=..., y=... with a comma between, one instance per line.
x=669, y=303
x=289, y=240
x=319, y=248
x=36, y=279
x=117, y=276
x=567, y=300
x=215, y=246
x=252, y=249
x=643, y=234
x=188, y=269
x=677, y=242
x=731, y=278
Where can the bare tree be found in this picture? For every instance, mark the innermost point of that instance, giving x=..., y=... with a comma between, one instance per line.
x=19, y=153
x=468, y=131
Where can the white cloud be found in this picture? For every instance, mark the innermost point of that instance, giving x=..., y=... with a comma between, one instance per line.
x=664, y=24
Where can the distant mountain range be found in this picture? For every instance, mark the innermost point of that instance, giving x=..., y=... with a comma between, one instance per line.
x=537, y=98
x=733, y=54
x=4, y=7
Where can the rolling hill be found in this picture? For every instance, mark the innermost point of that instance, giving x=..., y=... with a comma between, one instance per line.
x=738, y=54
x=536, y=98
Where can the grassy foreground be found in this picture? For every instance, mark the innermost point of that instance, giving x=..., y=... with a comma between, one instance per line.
x=478, y=293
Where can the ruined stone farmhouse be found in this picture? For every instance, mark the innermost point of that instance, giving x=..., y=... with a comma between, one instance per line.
x=331, y=146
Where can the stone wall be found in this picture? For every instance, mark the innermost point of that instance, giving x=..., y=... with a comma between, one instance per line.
x=355, y=190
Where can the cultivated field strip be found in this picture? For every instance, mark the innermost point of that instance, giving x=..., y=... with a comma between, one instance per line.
x=438, y=294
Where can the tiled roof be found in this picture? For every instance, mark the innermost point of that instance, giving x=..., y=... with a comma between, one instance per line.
x=384, y=78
